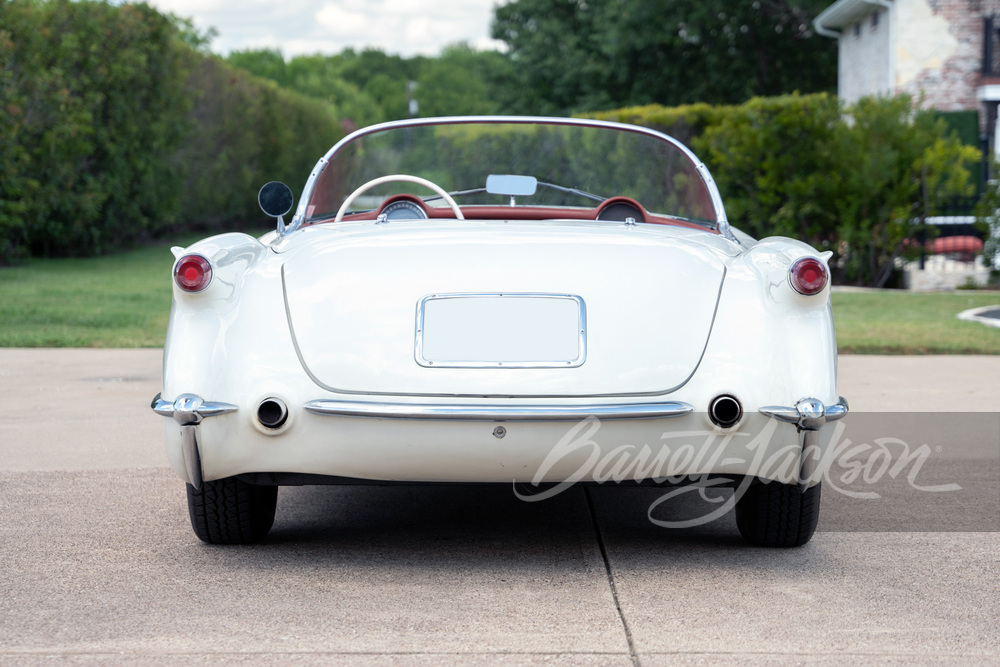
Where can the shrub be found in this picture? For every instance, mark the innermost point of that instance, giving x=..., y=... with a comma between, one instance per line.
x=684, y=123
x=773, y=160
x=91, y=107
x=243, y=132
x=113, y=129
x=851, y=180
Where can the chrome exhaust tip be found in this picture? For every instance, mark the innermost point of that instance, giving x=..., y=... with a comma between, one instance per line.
x=272, y=413
x=725, y=411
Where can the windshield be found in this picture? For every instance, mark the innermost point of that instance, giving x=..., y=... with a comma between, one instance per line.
x=575, y=165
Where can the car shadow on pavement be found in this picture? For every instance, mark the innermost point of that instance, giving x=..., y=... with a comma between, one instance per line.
x=491, y=518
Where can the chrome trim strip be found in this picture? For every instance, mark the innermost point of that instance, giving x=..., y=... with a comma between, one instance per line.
x=721, y=220
x=581, y=327
x=495, y=412
x=300, y=211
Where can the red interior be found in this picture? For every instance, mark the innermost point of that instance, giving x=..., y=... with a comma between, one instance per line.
x=482, y=212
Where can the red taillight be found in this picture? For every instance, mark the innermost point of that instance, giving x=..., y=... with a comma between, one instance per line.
x=808, y=276
x=193, y=273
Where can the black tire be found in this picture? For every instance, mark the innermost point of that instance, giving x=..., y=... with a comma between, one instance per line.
x=231, y=511
x=770, y=514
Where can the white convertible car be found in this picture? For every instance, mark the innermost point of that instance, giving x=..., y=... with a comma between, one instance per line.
x=529, y=301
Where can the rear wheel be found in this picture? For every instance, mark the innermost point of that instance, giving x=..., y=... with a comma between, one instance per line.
x=771, y=514
x=231, y=511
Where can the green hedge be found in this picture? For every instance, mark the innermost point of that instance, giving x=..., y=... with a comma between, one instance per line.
x=89, y=103
x=113, y=130
x=849, y=179
x=243, y=132
x=684, y=123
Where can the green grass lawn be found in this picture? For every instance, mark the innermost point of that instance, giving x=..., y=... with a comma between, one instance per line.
x=118, y=301
x=123, y=301
x=913, y=323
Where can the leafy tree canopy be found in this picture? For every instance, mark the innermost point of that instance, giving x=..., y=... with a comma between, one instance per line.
x=371, y=86
x=580, y=55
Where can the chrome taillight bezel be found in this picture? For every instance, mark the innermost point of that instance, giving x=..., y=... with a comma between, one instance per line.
x=193, y=284
x=808, y=287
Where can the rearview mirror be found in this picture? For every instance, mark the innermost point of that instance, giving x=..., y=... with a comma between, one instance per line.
x=510, y=185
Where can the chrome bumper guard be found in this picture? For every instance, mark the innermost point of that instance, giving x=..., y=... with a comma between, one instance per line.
x=808, y=415
x=189, y=410
x=497, y=412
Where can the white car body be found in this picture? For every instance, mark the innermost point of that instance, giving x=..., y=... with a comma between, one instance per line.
x=497, y=349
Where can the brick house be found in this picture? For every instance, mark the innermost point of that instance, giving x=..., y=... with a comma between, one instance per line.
x=948, y=51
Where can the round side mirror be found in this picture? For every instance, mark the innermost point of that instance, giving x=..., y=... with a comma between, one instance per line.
x=275, y=199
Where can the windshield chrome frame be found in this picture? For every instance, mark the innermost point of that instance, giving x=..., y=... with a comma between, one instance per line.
x=721, y=222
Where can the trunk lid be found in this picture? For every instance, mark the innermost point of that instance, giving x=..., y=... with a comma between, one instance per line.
x=501, y=309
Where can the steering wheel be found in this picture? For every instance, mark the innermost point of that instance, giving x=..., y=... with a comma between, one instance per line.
x=397, y=178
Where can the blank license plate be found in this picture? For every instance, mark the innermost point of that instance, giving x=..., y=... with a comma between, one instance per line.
x=501, y=330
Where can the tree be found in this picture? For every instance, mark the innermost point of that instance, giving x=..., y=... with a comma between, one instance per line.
x=579, y=55
x=460, y=82
x=315, y=76
x=265, y=63
x=371, y=86
x=321, y=77
x=988, y=217
x=900, y=165
x=92, y=102
x=557, y=59
x=187, y=32
x=381, y=76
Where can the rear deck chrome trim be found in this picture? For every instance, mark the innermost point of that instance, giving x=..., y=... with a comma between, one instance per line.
x=495, y=412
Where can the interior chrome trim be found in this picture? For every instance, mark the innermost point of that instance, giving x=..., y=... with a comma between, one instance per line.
x=497, y=412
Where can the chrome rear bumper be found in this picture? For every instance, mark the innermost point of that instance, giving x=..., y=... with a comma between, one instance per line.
x=807, y=415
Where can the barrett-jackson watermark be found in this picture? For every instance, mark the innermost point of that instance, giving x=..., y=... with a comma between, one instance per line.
x=840, y=464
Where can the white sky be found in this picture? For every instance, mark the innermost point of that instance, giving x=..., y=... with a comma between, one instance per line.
x=404, y=27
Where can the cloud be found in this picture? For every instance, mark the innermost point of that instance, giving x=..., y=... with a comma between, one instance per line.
x=344, y=23
x=329, y=26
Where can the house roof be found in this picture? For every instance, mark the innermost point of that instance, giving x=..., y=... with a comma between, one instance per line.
x=843, y=13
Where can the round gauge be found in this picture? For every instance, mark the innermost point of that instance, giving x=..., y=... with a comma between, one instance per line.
x=404, y=209
x=619, y=211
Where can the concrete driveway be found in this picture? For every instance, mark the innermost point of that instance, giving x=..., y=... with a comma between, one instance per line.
x=98, y=562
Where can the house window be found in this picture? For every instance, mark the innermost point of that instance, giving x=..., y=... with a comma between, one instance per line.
x=857, y=29
x=875, y=21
